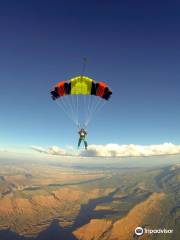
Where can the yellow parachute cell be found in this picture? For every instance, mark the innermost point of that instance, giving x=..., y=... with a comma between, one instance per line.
x=81, y=85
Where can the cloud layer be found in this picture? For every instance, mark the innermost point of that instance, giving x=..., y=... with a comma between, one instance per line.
x=115, y=150
x=54, y=150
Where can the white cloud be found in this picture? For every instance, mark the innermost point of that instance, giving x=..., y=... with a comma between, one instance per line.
x=131, y=150
x=54, y=150
x=115, y=150
x=39, y=149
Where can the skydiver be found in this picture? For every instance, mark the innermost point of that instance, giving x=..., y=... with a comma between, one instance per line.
x=82, y=137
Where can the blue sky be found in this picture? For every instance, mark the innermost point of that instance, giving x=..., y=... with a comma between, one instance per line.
x=132, y=45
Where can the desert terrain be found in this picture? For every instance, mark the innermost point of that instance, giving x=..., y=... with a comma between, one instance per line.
x=44, y=201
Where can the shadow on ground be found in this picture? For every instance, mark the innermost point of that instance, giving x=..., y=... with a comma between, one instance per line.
x=56, y=232
x=53, y=232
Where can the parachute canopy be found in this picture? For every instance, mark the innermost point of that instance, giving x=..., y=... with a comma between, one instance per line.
x=81, y=85
x=80, y=98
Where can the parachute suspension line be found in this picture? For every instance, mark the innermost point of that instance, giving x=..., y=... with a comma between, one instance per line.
x=67, y=109
x=61, y=104
x=97, y=109
x=73, y=103
x=62, y=107
x=87, y=107
x=77, y=111
x=90, y=107
x=71, y=114
x=64, y=101
x=83, y=104
x=74, y=99
x=93, y=106
x=97, y=104
x=89, y=111
x=86, y=99
x=74, y=108
x=100, y=103
x=67, y=99
x=92, y=103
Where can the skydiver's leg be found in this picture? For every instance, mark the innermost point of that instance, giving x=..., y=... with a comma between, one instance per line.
x=85, y=144
x=79, y=142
